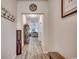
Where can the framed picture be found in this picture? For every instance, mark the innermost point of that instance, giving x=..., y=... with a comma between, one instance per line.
x=68, y=7
x=18, y=42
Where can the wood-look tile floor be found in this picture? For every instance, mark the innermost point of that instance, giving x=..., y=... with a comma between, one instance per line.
x=24, y=54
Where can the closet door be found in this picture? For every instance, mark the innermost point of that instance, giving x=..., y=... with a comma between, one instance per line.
x=18, y=42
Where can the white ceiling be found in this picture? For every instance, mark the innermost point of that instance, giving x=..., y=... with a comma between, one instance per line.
x=32, y=0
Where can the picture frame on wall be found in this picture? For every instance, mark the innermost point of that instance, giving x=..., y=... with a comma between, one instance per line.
x=68, y=7
x=18, y=42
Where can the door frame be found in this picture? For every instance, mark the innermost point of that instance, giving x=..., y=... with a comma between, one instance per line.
x=30, y=14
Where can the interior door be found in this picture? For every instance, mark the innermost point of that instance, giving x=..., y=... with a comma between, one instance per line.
x=18, y=42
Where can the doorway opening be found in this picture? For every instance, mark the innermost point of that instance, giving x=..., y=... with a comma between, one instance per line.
x=32, y=27
x=33, y=34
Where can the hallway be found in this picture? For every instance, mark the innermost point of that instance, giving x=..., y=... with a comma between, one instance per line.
x=52, y=24
x=24, y=54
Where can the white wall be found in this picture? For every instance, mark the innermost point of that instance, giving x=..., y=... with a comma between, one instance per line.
x=62, y=31
x=8, y=32
x=42, y=7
